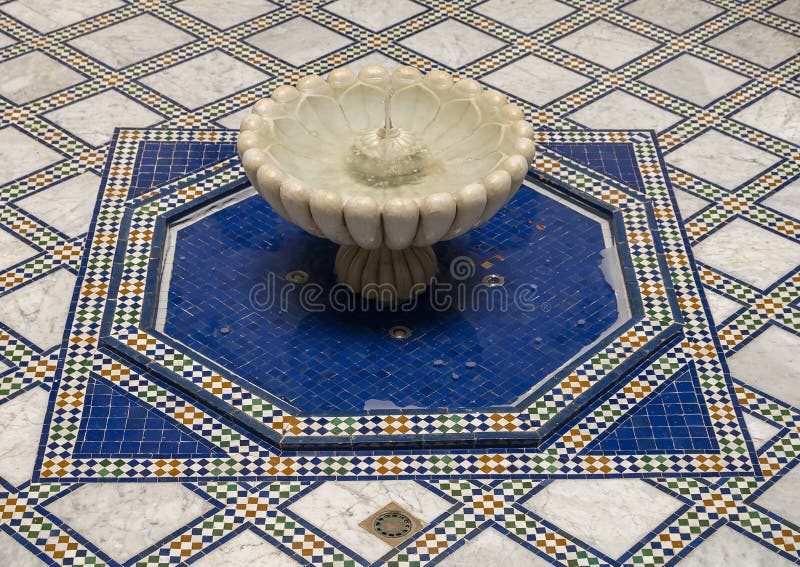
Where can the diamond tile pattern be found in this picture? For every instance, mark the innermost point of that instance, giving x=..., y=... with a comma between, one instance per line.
x=694, y=79
x=605, y=44
x=721, y=159
x=768, y=114
x=124, y=518
x=220, y=74
x=33, y=75
x=67, y=206
x=675, y=15
x=452, y=43
x=775, y=376
x=14, y=249
x=587, y=509
x=749, y=39
x=131, y=41
x=21, y=154
x=93, y=119
x=686, y=54
x=767, y=257
x=524, y=16
x=45, y=16
x=619, y=110
x=39, y=309
x=535, y=80
x=786, y=200
x=364, y=13
x=209, y=11
x=281, y=41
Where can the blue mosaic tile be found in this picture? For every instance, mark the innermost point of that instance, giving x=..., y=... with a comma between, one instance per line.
x=343, y=362
x=616, y=160
x=674, y=420
x=115, y=423
x=159, y=162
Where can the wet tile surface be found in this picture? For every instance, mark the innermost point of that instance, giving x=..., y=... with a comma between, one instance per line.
x=690, y=69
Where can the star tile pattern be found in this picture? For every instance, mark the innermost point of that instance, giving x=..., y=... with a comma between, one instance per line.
x=716, y=519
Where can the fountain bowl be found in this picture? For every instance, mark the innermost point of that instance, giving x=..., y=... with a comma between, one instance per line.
x=386, y=165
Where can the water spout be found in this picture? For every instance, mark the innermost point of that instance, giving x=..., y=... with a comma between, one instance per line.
x=387, y=110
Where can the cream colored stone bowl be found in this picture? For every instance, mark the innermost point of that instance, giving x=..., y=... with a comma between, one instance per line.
x=386, y=165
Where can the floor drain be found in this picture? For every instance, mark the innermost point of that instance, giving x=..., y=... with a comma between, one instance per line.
x=399, y=332
x=297, y=277
x=392, y=524
x=493, y=280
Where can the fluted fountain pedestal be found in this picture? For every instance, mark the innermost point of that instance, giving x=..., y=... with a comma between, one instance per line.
x=386, y=274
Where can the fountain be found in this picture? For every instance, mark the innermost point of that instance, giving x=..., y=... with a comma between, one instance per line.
x=386, y=165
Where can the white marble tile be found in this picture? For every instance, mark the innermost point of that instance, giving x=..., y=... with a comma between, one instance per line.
x=20, y=154
x=749, y=252
x=93, y=119
x=721, y=159
x=524, y=15
x=727, y=547
x=46, y=15
x=373, y=58
x=787, y=200
x=693, y=79
x=123, y=519
x=34, y=75
x=721, y=307
x=131, y=41
x=675, y=15
x=21, y=420
x=298, y=41
x=619, y=110
x=246, y=549
x=776, y=113
x=234, y=119
x=13, y=250
x=760, y=431
x=609, y=514
x=337, y=508
x=492, y=549
x=234, y=12
x=452, y=43
x=605, y=44
x=758, y=43
x=14, y=554
x=535, y=80
x=788, y=9
x=38, y=310
x=689, y=204
x=220, y=74
x=6, y=40
x=769, y=363
x=68, y=205
x=783, y=497
x=374, y=17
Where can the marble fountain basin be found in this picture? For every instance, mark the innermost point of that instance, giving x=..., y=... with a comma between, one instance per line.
x=386, y=165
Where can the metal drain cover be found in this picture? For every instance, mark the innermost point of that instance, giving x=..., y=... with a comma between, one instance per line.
x=392, y=524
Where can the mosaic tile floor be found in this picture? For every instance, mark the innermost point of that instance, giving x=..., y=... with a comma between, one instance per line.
x=673, y=440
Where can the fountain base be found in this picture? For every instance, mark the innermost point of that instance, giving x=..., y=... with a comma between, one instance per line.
x=386, y=274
